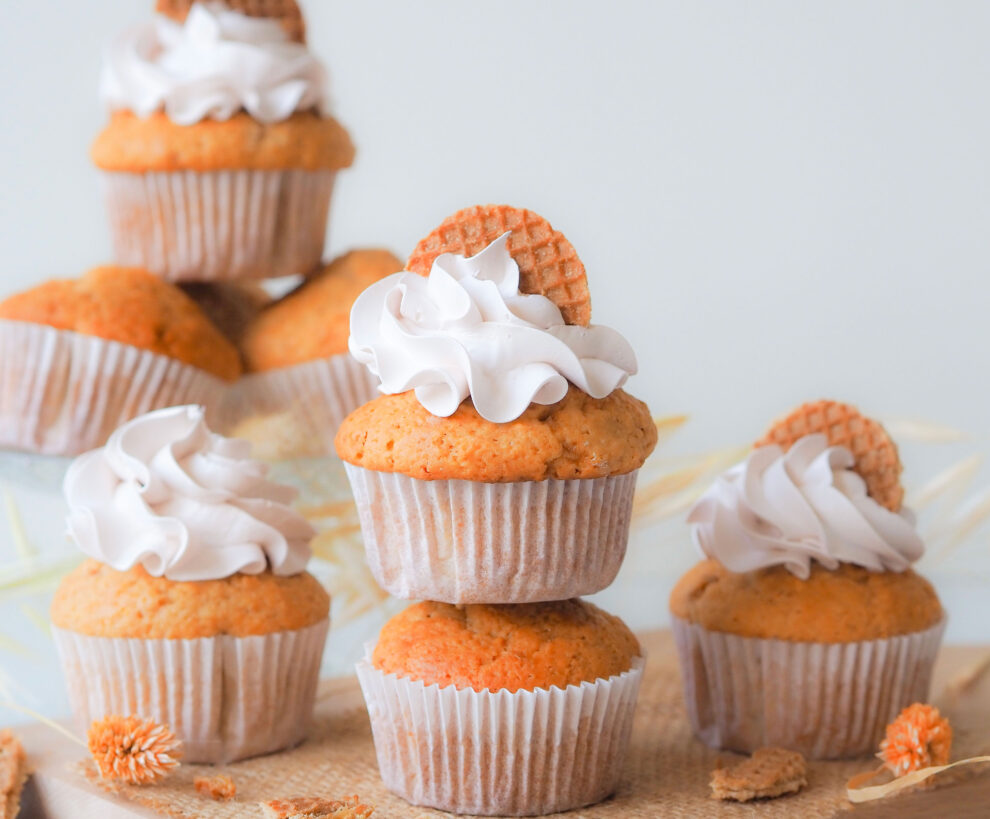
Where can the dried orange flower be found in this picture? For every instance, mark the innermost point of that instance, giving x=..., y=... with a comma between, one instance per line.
x=919, y=738
x=132, y=750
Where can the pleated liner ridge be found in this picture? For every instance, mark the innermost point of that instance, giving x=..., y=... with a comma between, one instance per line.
x=826, y=700
x=226, y=698
x=505, y=754
x=62, y=393
x=459, y=541
x=209, y=225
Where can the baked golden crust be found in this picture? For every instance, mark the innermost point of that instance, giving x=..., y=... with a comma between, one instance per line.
x=578, y=437
x=129, y=305
x=99, y=601
x=846, y=605
x=305, y=140
x=527, y=646
x=313, y=321
x=286, y=12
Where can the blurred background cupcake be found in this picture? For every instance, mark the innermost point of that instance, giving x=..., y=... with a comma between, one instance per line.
x=220, y=155
x=194, y=608
x=301, y=382
x=806, y=627
x=500, y=464
x=502, y=710
x=79, y=357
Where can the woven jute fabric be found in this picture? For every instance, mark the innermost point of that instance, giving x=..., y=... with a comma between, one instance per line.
x=666, y=775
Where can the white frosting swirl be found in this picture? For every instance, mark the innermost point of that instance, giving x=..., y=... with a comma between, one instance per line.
x=808, y=504
x=183, y=502
x=467, y=330
x=215, y=64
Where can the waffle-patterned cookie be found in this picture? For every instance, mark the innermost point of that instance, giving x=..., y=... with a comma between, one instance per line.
x=13, y=773
x=767, y=773
x=287, y=12
x=315, y=807
x=548, y=263
x=875, y=453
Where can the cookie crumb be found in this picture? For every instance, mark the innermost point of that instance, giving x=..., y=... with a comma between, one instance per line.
x=768, y=773
x=315, y=807
x=220, y=787
x=13, y=774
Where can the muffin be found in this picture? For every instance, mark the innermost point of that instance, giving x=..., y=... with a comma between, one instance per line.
x=301, y=380
x=220, y=155
x=194, y=607
x=806, y=627
x=451, y=689
x=500, y=463
x=79, y=357
x=231, y=306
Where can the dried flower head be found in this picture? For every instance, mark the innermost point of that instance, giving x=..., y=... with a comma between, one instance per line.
x=132, y=750
x=919, y=738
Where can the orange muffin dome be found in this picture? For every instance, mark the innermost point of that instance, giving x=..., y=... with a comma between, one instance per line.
x=99, y=601
x=578, y=437
x=131, y=306
x=512, y=647
x=845, y=605
x=304, y=141
x=312, y=321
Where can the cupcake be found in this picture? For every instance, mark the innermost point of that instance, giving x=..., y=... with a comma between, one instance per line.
x=194, y=607
x=502, y=710
x=806, y=627
x=301, y=381
x=231, y=306
x=220, y=155
x=80, y=357
x=500, y=463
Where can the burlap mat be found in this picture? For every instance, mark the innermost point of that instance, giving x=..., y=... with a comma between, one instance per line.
x=666, y=775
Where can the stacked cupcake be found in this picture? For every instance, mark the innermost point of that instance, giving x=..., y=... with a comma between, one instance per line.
x=494, y=478
x=218, y=164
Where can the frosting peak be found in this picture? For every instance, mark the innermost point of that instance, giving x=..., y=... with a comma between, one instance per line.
x=183, y=502
x=214, y=64
x=466, y=330
x=807, y=504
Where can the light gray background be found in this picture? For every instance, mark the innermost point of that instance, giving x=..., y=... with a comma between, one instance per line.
x=775, y=200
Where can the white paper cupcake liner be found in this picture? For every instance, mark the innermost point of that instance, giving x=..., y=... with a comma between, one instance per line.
x=305, y=403
x=230, y=224
x=62, y=393
x=500, y=754
x=226, y=698
x=826, y=700
x=458, y=541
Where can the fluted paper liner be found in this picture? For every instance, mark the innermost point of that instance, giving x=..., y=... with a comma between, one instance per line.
x=309, y=401
x=228, y=224
x=226, y=698
x=826, y=700
x=62, y=392
x=500, y=754
x=459, y=541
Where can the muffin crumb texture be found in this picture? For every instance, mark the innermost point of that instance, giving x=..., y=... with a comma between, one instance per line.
x=846, y=605
x=130, y=306
x=313, y=321
x=99, y=601
x=511, y=647
x=578, y=437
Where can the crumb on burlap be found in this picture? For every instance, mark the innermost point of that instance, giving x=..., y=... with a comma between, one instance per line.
x=315, y=807
x=768, y=773
x=220, y=787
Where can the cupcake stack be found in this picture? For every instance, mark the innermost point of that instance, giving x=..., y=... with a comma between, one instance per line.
x=494, y=479
x=218, y=164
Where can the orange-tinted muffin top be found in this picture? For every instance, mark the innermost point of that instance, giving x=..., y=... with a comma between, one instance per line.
x=528, y=646
x=578, y=437
x=99, y=601
x=131, y=306
x=305, y=140
x=313, y=320
x=846, y=605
